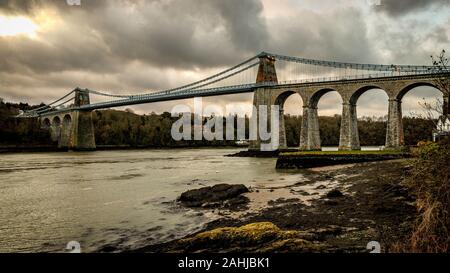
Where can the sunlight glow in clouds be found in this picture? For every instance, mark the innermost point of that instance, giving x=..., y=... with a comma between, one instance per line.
x=15, y=26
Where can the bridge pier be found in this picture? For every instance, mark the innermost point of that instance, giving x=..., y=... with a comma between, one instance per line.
x=314, y=130
x=55, y=132
x=262, y=98
x=310, y=132
x=66, y=132
x=82, y=135
x=394, y=133
x=282, y=145
x=349, y=136
x=304, y=130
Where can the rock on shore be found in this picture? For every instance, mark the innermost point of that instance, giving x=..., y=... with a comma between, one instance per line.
x=262, y=237
x=222, y=195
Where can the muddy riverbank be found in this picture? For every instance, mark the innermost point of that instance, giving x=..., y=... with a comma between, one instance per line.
x=321, y=159
x=336, y=209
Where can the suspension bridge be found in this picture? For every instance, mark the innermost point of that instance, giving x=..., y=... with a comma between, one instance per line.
x=277, y=77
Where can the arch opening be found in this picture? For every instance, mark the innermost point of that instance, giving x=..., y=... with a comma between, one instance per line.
x=410, y=87
x=291, y=110
x=422, y=106
x=328, y=104
x=67, y=120
x=66, y=130
x=371, y=104
x=56, y=121
x=46, y=123
x=55, y=129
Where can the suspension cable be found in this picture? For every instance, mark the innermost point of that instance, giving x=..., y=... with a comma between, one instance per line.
x=49, y=109
x=56, y=101
x=106, y=94
x=211, y=77
x=225, y=77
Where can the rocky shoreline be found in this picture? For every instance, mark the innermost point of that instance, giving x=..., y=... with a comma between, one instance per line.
x=338, y=209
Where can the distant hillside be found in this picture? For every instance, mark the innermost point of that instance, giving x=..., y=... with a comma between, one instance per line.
x=15, y=131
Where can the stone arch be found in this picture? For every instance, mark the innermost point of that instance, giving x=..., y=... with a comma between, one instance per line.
x=282, y=97
x=56, y=121
x=360, y=91
x=67, y=119
x=405, y=89
x=280, y=100
x=317, y=95
x=349, y=138
x=55, y=129
x=314, y=136
x=395, y=132
x=46, y=123
x=66, y=131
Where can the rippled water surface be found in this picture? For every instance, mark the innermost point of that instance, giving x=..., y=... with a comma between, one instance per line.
x=114, y=197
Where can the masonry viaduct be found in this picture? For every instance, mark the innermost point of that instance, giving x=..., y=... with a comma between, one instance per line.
x=73, y=128
x=350, y=91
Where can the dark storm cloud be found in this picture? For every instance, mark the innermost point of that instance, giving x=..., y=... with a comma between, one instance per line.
x=409, y=44
x=172, y=33
x=401, y=7
x=30, y=6
x=18, y=6
x=245, y=24
x=335, y=35
x=126, y=46
x=193, y=33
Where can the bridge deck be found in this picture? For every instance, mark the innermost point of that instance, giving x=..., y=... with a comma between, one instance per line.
x=237, y=89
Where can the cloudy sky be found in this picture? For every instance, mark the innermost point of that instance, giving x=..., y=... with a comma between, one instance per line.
x=122, y=46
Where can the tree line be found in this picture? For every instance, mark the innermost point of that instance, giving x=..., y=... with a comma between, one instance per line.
x=20, y=131
x=114, y=128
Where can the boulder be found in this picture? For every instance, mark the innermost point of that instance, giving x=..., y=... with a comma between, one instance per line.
x=260, y=237
x=334, y=193
x=214, y=196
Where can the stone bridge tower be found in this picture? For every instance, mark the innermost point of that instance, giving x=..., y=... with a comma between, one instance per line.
x=72, y=129
x=263, y=97
x=83, y=127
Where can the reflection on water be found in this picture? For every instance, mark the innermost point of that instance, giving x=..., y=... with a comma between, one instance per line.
x=114, y=197
x=49, y=199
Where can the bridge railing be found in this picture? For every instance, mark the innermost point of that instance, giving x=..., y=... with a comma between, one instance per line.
x=360, y=77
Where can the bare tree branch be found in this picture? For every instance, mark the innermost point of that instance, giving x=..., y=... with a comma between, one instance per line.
x=442, y=82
